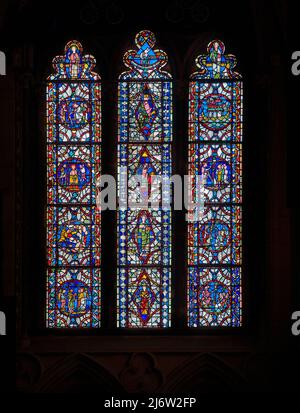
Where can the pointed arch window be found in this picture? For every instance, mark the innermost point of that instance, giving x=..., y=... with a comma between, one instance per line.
x=215, y=152
x=144, y=149
x=73, y=165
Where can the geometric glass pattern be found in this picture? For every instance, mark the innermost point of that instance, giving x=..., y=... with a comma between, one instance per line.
x=73, y=166
x=144, y=149
x=215, y=153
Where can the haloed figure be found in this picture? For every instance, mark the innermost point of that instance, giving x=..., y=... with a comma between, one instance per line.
x=74, y=62
x=73, y=177
x=144, y=235
x=215, y=56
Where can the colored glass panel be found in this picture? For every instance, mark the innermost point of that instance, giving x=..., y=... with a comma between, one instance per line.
x=73, y=166
x=144, y=149
x=215, y=153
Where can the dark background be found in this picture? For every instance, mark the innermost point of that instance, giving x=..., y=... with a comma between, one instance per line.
x=262, y=355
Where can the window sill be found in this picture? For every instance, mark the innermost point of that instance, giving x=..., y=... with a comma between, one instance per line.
x=130, y=343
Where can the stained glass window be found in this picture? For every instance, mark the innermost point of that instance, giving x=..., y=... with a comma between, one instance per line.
x=144, y=149
x=73, y=165
x=215, y=153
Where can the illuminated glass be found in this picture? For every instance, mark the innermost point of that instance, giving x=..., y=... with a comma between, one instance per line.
x=73, y=166
x=215, y=152
x=144, y=149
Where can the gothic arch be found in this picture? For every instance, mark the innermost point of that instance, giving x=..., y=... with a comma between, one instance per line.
x=203, y=374
x=78, y=373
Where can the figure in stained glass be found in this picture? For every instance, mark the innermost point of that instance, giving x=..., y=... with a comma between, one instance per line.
x=214, y=242
x=73, y=164
x=144, y=235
